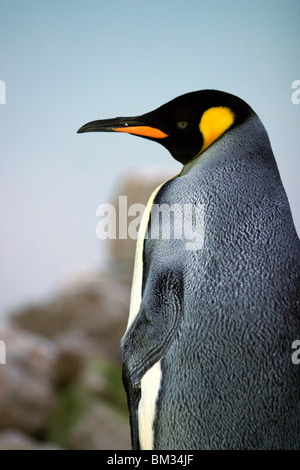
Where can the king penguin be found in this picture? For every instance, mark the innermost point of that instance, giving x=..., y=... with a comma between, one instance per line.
x=207, y=354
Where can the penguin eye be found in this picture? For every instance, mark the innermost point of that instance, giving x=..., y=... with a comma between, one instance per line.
x=182, y=124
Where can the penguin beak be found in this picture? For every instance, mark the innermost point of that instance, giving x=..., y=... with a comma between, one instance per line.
x=131, y=125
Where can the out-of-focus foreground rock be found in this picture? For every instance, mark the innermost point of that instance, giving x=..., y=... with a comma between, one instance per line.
x=61, y=386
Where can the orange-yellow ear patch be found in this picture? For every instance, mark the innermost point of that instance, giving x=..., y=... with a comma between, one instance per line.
x=214, y=122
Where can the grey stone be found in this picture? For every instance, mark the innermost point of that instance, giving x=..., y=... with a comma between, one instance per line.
x=26, y=381
x=13, y=439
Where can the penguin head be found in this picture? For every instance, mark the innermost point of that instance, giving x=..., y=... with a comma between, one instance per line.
x=186, y=126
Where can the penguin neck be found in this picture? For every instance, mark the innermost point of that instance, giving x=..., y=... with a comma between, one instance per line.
x=251, y=133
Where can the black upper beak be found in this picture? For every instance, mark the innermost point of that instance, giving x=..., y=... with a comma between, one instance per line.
x=111, y=125
x=131, y=125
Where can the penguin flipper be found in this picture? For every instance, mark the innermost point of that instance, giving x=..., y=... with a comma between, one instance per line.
x=156, y=325
x=150, y=337
x=133, y=398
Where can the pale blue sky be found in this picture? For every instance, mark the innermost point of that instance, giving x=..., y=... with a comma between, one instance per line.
x=69, y=62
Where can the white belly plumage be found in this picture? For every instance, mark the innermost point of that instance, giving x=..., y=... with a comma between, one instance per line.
x=150, y=386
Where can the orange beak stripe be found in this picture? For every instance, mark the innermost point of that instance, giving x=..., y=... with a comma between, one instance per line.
x=145, y=131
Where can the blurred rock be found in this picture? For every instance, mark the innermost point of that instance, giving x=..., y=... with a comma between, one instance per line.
x=99, y=310
x=62, y=379
x=97, y=430
x=27, y=381
x=91, y=412
x=74, y=347
x=13, y=439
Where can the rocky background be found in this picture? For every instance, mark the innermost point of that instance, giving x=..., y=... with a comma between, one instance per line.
x=61, y=386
